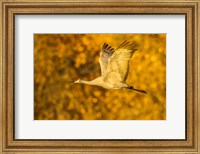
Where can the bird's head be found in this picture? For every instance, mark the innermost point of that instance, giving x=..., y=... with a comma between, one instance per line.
x=76, y=80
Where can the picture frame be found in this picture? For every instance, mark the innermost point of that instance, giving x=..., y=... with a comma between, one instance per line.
x=7, y=93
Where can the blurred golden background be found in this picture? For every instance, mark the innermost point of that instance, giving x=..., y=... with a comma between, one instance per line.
x=59, y=58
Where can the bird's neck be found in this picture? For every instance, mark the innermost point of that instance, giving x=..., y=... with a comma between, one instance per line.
x=95, y=82
x=86, y=82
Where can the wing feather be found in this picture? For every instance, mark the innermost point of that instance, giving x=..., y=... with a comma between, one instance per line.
x=119, y=61
x=105, y=54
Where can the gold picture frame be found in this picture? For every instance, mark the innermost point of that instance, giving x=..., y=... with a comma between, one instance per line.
x=189, y=8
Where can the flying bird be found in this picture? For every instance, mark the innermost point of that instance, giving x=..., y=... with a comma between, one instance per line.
x=114, y=67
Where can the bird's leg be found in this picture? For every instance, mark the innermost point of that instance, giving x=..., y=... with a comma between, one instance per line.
x=132, y=88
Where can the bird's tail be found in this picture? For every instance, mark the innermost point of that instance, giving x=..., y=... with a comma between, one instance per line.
x=138, y=90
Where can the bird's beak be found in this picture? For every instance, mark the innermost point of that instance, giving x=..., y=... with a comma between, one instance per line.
x=71, y=81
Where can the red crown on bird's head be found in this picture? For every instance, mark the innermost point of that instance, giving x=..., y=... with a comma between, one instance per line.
x=76, y=79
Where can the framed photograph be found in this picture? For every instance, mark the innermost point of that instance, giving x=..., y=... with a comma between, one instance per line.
x=99, y=76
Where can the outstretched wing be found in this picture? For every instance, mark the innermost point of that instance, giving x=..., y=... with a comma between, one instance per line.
x=119, y=61
x=105, y=54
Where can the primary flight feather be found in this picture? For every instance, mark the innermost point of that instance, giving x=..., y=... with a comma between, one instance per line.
x=114, y=67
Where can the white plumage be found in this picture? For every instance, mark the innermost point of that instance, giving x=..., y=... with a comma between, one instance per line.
x=114, y=67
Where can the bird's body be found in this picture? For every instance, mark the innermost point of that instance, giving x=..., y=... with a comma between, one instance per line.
x=114, y=67
x=100, y=81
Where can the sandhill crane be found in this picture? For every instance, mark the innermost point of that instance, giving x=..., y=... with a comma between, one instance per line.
x=114, y=67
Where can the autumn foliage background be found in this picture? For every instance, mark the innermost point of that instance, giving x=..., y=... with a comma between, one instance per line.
x=59, y=58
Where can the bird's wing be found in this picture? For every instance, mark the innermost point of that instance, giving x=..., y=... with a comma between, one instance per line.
x=119, y=61
x=106, y=53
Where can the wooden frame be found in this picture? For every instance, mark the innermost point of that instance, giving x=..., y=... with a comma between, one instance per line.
x=10, y=8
